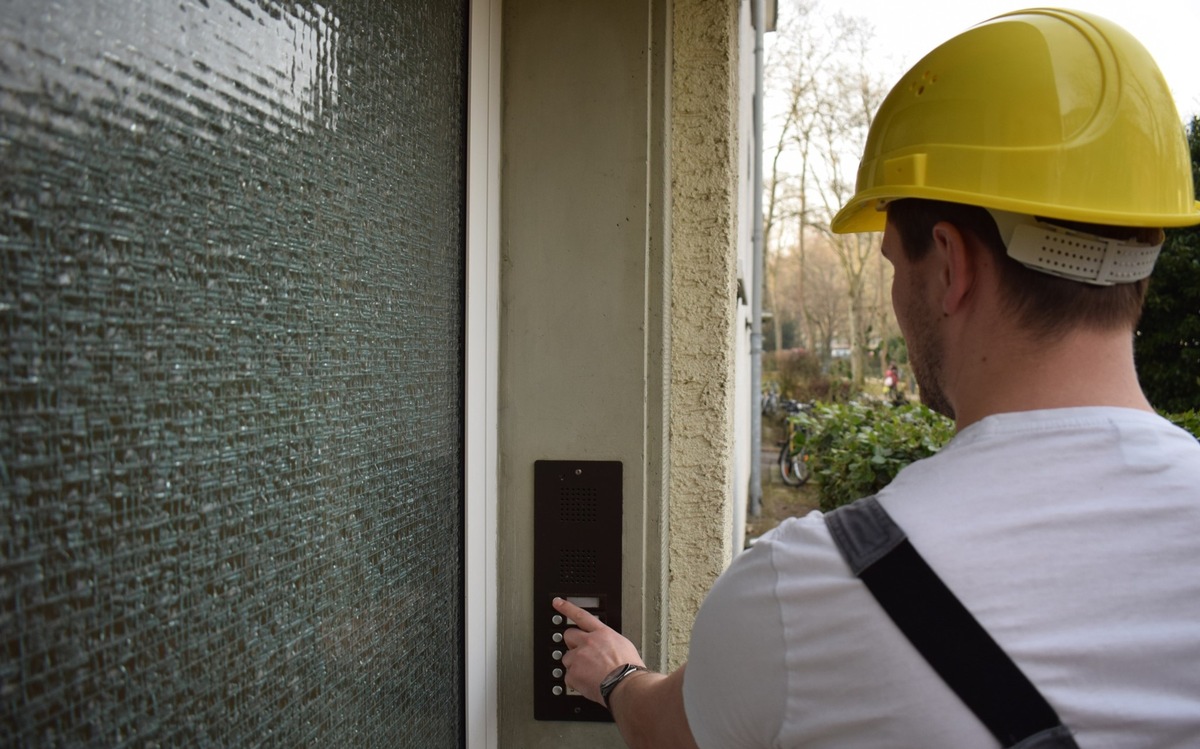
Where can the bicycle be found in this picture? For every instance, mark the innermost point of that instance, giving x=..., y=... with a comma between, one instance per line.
x=770, y=399
x=793, y=452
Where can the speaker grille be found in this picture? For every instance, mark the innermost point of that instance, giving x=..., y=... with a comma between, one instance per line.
x=577, y=567
x=578, y=504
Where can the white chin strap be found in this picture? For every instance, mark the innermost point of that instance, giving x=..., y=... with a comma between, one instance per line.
x=1074, y=254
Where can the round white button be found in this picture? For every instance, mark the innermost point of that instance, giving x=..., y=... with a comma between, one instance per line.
x=557, y=637
x=558, y=673
x=557, y=619
x=557, y=655
x=557, y=690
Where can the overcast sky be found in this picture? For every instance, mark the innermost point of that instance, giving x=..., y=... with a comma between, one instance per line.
x=1170, y=29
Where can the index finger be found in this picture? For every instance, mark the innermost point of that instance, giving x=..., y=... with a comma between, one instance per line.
x=582, y=617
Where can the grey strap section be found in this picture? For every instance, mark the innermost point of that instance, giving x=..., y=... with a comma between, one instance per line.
x=864, y=533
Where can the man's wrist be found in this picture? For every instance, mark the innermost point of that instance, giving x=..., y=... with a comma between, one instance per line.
x=615, y=678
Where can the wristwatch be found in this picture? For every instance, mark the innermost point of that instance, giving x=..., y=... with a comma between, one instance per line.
x=615, y=677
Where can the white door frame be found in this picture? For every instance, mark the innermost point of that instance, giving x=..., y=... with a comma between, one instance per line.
x=481, y=367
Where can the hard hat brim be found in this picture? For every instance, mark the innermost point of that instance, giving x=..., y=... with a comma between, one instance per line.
x=867, y=211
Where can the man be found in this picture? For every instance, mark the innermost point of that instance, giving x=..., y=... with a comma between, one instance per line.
x=1022, y=173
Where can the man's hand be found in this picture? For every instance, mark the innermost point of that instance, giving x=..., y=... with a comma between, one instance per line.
x=593, y=650
x=647, y=707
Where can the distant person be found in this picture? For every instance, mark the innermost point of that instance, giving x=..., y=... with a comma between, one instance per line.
x=891, y=382
x=1022, y=173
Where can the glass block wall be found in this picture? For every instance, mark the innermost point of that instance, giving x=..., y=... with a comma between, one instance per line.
x=231, y=238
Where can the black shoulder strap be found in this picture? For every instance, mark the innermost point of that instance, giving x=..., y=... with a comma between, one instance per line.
x=957, y=647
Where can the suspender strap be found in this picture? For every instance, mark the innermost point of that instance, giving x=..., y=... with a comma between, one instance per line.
x=957, y=647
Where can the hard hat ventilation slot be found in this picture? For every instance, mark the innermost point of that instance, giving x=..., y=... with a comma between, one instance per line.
x=1072, y=254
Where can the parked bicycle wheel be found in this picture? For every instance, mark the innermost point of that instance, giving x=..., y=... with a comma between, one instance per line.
x=793, y=466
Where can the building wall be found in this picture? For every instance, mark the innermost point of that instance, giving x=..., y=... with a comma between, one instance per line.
x=618, y=307
x=704, y=205
x=744, y=404
x=580, y=317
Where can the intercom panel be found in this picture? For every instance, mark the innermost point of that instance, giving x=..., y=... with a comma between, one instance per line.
x=577, y=556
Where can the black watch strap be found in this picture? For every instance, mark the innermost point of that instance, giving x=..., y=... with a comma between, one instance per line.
x=615, y=677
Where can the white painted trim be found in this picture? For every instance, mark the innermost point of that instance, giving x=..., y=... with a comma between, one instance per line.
x=482, y=369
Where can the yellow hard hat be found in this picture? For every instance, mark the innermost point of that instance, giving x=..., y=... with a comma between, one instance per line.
x=1046, y=112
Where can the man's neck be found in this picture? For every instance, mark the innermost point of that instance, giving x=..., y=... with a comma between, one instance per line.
x=1087, y=368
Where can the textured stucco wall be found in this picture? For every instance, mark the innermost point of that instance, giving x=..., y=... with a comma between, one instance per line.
x=703, y=293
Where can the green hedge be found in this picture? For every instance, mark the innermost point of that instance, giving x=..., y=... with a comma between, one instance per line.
x=1189, y=420
x=856, y=449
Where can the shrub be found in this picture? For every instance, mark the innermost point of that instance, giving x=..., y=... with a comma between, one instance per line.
x=794, y=368
x=1189, y=420
x=857, y=448
x=799, y=375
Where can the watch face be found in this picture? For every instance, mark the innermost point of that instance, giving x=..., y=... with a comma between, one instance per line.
x=615, y=675
x=614, y=678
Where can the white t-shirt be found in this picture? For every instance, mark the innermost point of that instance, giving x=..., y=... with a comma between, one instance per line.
x=1072, y=535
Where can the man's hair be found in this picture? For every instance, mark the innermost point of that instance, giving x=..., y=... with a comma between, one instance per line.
x=1047, y=306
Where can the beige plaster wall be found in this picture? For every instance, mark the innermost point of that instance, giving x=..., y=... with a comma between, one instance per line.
x=582, y=334
x=617, y=304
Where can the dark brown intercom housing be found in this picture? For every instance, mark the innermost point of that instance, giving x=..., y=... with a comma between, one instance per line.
x=577, y=556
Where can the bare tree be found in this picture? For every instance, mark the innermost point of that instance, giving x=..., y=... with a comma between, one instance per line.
x=773, y=237
x=803, y=54
x=852, y=94
x=825, y=297
x=824, y=98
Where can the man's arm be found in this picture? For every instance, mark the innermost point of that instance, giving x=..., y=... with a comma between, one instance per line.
x=647, y=707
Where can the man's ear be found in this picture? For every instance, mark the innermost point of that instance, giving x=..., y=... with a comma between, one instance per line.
x=958, y=266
